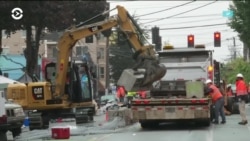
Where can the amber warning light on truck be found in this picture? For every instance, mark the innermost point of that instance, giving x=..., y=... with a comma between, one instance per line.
x=210, y=72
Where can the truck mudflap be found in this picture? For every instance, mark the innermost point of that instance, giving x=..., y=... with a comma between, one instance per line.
x=170, y=109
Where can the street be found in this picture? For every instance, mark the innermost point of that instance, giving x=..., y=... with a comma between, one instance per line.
x=101, y=131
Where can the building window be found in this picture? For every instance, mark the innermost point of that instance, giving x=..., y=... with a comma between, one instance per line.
x=4, y=35
x=89, y=39
x=101, y=53
x=102, y=72
x=54, y=50
x=23, y=33
x=6, y=50
x=78, y=51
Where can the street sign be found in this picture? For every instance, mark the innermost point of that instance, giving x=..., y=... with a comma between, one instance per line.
x=228, y=13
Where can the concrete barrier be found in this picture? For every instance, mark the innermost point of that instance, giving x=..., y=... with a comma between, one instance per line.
x=123, y=113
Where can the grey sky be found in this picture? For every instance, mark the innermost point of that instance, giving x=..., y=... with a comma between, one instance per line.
x=178, y=37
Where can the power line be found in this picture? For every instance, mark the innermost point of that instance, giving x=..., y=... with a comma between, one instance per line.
x=205, y=15
x=193, y=21
x=193, y=26
x=165, y=9
x=180, y=13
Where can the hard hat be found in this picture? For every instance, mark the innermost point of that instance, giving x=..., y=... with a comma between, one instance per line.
x=221, y=81
x=239, y=75
x=229, y=85
x=208, y=81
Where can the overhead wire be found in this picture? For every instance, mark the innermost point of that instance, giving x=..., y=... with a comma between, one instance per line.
x=205, y=15
x=193, y=21
x=180, y=13
x=208, y=25
x=165, y=9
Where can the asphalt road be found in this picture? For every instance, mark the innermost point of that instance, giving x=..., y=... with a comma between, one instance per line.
x=231, y=131
x=98, y=131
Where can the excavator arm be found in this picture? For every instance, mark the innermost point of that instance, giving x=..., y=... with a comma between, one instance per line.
x=145, y=55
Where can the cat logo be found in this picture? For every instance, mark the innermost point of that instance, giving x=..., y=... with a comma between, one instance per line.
x=37, y=92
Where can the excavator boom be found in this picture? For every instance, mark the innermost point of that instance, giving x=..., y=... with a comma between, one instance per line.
x=145, y=55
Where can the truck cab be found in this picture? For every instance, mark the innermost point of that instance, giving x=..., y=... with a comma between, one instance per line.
x=11, y=117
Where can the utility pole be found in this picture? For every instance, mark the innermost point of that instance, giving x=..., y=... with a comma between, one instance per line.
x=234, y=48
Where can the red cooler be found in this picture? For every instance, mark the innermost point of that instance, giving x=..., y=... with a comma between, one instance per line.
x=60, y=132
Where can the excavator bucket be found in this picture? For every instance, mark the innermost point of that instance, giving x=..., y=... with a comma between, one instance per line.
x=141, y=79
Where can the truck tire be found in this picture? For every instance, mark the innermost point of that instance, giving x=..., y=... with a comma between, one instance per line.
x=204, y=123
x=3, y=135
x=16, y=132
x=235, y=108
x=148, y=124
x=230, y=103
x=145, y=125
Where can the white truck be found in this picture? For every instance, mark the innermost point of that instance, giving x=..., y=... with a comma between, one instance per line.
x=179, y=95
x=11, y=118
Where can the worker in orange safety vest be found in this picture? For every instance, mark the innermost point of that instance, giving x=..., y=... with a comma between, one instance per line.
x=241, y=93
x=229, y=90
x=218, y=102
x=120, y=93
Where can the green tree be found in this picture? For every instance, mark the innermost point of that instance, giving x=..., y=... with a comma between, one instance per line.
x=56, y=16
x=121, y=55
x=231, y=69
x=240, y=22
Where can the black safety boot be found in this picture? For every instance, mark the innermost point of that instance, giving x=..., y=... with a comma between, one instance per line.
x=243, y=122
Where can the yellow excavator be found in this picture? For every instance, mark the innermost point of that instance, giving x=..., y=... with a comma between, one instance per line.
x=51, y=100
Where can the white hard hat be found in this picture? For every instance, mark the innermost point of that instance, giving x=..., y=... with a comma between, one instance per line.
x=229, y=85
x=208, y=81
x=239, y=75
x=221, y=81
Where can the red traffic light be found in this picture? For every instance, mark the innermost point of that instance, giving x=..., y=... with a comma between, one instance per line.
x=217, y=39
x=190, y=38
x=217, y=34
x=190, y=41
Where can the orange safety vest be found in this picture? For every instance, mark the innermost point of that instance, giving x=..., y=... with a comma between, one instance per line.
x=229, y=93
x=216, y=94
x=120, y=92
x=241, y=88
x=142, y=94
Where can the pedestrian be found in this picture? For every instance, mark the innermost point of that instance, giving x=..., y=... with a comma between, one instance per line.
x=241, y=93
x=218, y=101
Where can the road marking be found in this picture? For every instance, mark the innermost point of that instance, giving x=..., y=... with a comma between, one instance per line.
x=100, y=138
x=210, y=134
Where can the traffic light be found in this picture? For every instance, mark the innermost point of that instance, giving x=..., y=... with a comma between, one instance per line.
x=190, y=40
x=217, y=39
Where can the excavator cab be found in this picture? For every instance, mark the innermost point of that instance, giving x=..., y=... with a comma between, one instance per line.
x=77, y=90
